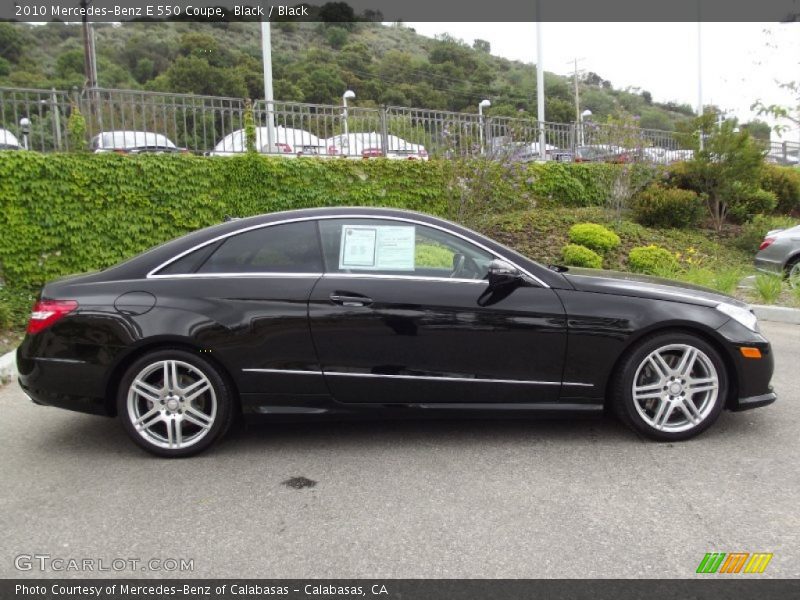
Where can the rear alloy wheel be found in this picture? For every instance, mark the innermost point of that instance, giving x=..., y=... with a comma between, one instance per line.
x=671, y=387
x=793, y=274
x=173, y=403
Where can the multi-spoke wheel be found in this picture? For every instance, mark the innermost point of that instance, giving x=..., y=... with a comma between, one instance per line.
x=793, y=273
x=671, y=386
x=173, y=403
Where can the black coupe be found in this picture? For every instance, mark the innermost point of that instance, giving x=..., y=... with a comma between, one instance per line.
x=365, y=311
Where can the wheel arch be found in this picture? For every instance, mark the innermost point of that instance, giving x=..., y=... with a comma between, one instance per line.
x=707, y=335
x=117, y=372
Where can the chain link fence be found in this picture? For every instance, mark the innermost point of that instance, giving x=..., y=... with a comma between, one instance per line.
x=144, y=121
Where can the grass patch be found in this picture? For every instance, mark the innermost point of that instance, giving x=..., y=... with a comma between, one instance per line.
x=768, y=287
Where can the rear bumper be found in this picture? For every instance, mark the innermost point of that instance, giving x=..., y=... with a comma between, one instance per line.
x=84, y=404
x=768, y=265
x=754, y=402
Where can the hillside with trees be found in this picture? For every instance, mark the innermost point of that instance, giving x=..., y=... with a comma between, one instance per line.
x=313, y=62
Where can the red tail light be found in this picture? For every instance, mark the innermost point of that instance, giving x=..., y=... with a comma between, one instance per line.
x=767, y=241
x=47, y=312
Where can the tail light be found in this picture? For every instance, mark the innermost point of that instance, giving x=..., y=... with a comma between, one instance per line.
x=767, y=242
x=47, y=312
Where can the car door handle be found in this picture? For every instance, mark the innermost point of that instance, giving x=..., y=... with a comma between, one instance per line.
x=350, y=300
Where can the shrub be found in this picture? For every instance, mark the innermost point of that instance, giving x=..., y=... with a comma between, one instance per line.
x=751, y=202
x=580, y=256
x=784, y=182
x=594, y=236
x=754, y=232
x=652, y=260
x=657, y=206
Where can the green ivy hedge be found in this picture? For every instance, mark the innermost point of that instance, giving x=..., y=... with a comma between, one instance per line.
x=68, y=213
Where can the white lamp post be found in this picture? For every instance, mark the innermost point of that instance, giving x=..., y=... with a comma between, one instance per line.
x=483, y=104
x=348, y=95
x=25, y=127
x=584, y=115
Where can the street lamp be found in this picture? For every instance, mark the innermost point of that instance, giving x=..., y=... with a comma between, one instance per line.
x=483, y=104
x=348, y=95
x=25, y=128
x=584, y=115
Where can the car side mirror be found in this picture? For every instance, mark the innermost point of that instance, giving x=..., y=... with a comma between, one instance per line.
x=502, y=273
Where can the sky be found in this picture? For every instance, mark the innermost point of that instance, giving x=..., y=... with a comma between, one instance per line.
x=740, y=61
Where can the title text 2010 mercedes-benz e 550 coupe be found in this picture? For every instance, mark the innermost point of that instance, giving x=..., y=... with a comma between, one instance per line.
x=385, y=312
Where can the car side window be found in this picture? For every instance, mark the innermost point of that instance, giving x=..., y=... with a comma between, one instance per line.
x=288, y=248
x=390, y=247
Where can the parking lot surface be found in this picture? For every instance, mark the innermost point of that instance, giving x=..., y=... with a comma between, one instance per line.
x=514, y=498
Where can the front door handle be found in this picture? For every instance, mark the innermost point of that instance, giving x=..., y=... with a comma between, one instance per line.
x=350, y=299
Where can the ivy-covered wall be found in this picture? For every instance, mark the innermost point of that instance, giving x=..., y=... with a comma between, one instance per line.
x=68, y=213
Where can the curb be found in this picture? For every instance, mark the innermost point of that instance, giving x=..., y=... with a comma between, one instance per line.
x=8, y=367
x=780, y=314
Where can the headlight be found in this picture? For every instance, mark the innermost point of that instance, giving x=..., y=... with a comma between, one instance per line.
x=742, y=315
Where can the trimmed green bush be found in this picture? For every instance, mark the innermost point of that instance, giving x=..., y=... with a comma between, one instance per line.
x=580, y=256
x=784, y=182
x=594, y=236
x=658, y=206
x=652, y=260
x=752, y=202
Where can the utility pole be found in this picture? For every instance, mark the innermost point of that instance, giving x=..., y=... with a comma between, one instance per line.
x=577, y=95
x=87, y=44
x=540, y=84
x=266, y=54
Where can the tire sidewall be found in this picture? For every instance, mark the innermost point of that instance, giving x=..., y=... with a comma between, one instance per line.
x=628, y=373
x=221, y=389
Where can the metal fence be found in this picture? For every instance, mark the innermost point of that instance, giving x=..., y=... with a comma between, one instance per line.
x=38, y=120
x=35, y=119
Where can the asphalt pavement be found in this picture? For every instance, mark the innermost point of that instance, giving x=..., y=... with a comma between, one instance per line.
x=515, y=498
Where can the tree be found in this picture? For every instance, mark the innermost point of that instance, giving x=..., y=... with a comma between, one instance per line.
x=777, y=111
x=726, y=170
x=482, y=46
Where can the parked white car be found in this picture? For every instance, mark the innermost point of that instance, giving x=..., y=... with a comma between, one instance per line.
x=288, y=141
x=132, y=142
x=8, y=141
x=370, y=145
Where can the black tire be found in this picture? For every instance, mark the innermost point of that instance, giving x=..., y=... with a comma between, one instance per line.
x=622, y=388
x=794, y=282
x=217, y=404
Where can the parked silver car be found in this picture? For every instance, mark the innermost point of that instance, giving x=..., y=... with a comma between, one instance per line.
x=780, y=253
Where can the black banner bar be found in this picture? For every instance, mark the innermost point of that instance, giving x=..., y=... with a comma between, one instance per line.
x=713, y=588
x=403, y=10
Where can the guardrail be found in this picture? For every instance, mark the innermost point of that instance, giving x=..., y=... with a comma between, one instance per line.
x=38, y=119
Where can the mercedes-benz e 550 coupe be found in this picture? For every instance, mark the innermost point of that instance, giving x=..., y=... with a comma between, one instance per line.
x=365, y=311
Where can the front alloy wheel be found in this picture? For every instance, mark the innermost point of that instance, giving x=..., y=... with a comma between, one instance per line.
x=671, y=387
x=173, y=403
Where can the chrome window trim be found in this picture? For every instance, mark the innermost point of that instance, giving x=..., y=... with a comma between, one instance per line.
x=260, y=274
x=153, y=273
x=424, y=377
x=401, y=277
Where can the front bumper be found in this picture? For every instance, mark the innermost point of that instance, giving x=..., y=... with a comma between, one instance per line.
x=754, y=402
x=751, y=387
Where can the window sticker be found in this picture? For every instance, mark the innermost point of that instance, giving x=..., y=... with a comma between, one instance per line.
x=358, y=247
x=379, y=248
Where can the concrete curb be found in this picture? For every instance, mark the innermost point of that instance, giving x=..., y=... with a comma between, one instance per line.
x=781, y=314
x=8, y=367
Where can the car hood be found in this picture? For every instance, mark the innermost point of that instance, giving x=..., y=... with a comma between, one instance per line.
x=644, y=286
